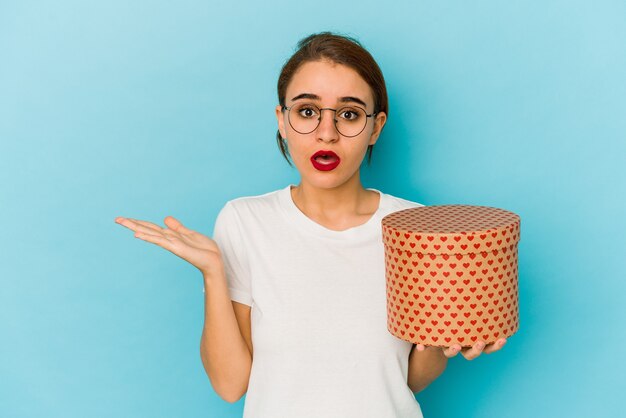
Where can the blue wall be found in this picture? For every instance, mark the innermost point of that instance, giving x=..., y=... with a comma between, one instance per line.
x=135, y=109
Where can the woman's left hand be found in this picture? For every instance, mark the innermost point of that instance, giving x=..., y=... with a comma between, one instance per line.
x=469, y=353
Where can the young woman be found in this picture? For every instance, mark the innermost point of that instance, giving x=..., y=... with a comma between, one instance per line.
x=295, y=300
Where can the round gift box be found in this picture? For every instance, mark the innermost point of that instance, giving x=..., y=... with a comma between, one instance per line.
x=451, y=274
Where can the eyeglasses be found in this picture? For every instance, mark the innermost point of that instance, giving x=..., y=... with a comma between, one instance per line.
x=350, y=121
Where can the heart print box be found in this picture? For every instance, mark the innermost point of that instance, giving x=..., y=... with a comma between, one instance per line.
x=451, y=274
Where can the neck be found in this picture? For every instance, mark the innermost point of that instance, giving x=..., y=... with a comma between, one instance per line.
x=339, y=203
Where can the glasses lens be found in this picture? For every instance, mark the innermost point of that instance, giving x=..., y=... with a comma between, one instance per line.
x=304, y=117
x=351, y=120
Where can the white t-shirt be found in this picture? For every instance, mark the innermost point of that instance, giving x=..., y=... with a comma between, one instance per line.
x=318, y=318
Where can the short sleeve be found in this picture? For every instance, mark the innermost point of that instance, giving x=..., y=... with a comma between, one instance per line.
x=228, y=237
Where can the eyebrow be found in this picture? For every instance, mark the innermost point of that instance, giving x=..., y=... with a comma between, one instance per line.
x=346, y=99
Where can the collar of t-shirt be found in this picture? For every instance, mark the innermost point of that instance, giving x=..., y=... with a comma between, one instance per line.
x=366, y=231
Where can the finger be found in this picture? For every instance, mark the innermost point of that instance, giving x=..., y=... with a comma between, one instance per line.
x=495, y=346
x=156, y=239
x=168, y=233
x=149, y=225
x=127, y=222
x=451, y=351
x=133, y=225
x=472, y=352
x=420, y=347
x=176, y=225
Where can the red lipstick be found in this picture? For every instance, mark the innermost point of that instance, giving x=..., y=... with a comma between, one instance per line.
x=325, y=160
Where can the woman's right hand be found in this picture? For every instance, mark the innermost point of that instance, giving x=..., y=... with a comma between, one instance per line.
x=199, y=250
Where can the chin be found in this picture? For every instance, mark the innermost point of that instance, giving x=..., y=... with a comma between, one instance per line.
x=327, y=183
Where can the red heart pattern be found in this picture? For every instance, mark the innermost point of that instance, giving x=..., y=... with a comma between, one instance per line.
x=452, y=274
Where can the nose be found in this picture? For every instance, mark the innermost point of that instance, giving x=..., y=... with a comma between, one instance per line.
x=326, y=130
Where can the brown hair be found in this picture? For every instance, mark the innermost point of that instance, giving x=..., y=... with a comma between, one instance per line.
x=340, y=49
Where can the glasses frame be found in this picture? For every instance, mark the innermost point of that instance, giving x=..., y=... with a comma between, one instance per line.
x=319, y=120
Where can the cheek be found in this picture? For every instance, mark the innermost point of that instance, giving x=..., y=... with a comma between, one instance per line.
x=296, y=150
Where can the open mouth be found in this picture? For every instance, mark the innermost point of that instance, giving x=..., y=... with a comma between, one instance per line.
x=325, y=160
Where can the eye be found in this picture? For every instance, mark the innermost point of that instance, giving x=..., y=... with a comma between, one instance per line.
x=306, y=111
x=349, y=114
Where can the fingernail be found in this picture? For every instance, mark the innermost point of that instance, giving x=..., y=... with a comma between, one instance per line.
x=480, y=346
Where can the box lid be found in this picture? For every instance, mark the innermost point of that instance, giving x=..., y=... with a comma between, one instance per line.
x=451, y=229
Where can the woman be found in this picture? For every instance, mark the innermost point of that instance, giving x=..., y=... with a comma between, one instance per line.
x=304, y=265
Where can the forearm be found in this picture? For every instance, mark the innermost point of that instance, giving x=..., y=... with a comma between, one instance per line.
x=425, y=366
x=223, y=350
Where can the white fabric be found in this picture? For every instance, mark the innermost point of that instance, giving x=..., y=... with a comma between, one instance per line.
x=319, y=325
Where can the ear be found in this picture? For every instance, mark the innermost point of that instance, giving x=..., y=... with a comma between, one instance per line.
x=379, y=122
x=281, y=121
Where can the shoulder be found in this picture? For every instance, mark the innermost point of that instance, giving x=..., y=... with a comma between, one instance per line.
x=256, y=205
x=395, y=203
x=255, y=201
x=243, y=215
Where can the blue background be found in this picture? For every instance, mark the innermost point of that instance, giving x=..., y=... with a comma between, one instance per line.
x=148, y=109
